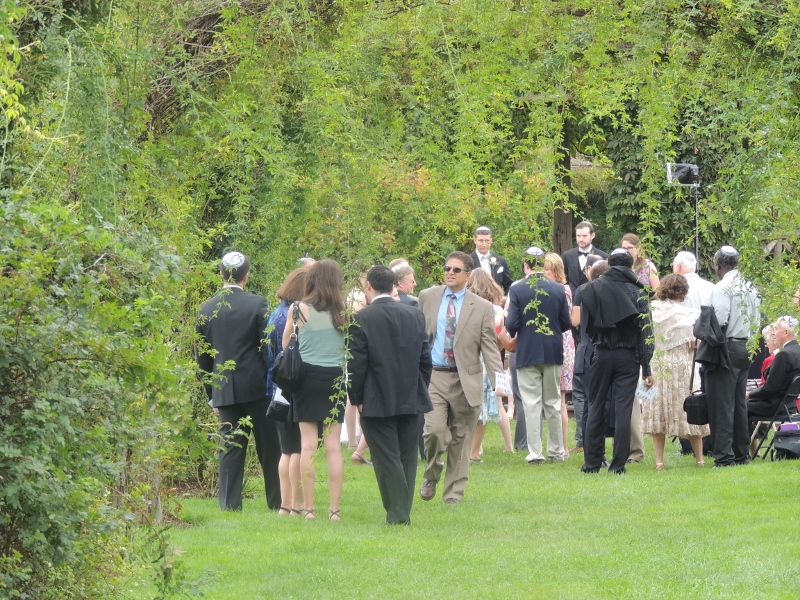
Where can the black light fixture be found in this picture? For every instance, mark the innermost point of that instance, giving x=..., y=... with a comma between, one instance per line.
x=683, y=174
x=687, y=174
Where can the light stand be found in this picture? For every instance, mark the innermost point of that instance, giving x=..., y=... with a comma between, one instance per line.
x=688, y=175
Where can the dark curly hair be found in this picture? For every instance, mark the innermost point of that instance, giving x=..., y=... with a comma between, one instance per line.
x=673, y=287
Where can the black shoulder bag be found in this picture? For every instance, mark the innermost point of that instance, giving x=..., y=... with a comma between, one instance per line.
x=287, y=370
x=695, y=405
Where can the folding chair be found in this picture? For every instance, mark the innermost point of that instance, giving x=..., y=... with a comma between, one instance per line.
x=782, y=415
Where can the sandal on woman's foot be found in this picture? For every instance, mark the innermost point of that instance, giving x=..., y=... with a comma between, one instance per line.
x=357, y=459
x=333, y=515
x=281, y=510
x=701, y=463
x=659, y=466
x=308, y=513
x=294, y=511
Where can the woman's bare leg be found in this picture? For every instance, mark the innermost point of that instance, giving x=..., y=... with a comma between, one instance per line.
x=331, y=436
x=308, y=444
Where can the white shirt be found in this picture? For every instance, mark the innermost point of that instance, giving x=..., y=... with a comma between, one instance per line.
x=582, y=258
x=485, y=264
x=699, y=291
x=735, y=301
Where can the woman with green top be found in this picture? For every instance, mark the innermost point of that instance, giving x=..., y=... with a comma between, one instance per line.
x=320, y=396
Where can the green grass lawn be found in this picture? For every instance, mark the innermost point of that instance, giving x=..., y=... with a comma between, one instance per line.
x=521, y=532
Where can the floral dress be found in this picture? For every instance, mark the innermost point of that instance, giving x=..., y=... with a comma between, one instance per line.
x=672, y=369
x=568, y=367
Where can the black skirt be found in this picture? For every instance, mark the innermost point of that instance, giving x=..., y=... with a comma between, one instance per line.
x=312, y=403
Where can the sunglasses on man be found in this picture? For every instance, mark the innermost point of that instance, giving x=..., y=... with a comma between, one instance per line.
x=455, y=270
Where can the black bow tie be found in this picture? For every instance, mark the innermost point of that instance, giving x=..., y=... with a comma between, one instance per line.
x=583, y=252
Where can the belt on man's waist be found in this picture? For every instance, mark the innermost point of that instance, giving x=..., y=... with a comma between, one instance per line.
x=452, y=369
x=735, y=339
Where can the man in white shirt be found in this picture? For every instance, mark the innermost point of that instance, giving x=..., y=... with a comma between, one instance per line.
x=736, y=305
x=700, y=290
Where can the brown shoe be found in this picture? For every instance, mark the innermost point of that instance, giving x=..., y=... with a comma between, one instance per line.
x=451, y=501
x=428, y=490
x=576, y=449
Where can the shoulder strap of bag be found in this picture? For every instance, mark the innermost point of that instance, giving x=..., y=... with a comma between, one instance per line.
x=691, y=379
x=297, y=314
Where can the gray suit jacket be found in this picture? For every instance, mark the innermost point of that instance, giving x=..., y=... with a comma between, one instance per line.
x=475, y=335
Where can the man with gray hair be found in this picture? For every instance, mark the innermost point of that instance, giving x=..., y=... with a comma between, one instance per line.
x=700, y=290
x=763, y=402
x=735, y=302
x=405, y=283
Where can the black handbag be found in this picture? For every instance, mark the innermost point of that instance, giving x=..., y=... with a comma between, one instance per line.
x=279, y=408
x=287, y=370
x=695, y=405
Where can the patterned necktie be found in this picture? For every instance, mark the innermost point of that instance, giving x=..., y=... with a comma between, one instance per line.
x=450, y=331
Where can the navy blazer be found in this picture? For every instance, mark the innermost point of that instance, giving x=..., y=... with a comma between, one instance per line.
x=408, y=299
x=538, y=328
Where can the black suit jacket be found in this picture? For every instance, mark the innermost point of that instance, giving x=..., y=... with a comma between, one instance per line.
x=390, y=366
x=572, y=267
x=500, y=271
x=538, y=329
x=784, y=368
x=234, y=323
x=407, y=299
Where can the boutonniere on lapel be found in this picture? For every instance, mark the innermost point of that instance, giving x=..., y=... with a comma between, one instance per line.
x=493, y=261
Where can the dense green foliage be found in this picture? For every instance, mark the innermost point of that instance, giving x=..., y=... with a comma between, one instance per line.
x=139, y=140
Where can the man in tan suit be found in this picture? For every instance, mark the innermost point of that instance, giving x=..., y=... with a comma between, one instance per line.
x=460, y=327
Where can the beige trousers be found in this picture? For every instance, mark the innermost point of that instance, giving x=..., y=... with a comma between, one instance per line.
x=449, y=428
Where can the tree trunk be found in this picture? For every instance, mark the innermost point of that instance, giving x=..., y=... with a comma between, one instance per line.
x=562, y=219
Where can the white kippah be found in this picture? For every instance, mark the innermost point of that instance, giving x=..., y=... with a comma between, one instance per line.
x=686, y=258
x=789, y=320
x=729, y=251
x=619, y=251
x=535, y=251
x=399, y=266
x=233, y=260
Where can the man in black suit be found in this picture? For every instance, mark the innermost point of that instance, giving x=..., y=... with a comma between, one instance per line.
x=575, y=259
x=619, y=323
x=405, y=283
x=538, y=313
x=390, y=370
x=492, y=263
x=763, y=402
x=231, y=327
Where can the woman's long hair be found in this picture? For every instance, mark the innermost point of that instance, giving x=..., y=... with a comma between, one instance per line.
x=641, y=257
x=481, y=284
x=553, y=262
x=324, y=290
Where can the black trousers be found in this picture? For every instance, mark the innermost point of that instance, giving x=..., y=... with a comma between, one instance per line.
x=617, y=369
x=232, y=457
x=581, y=380
x=393, y=449
x=727, y=408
